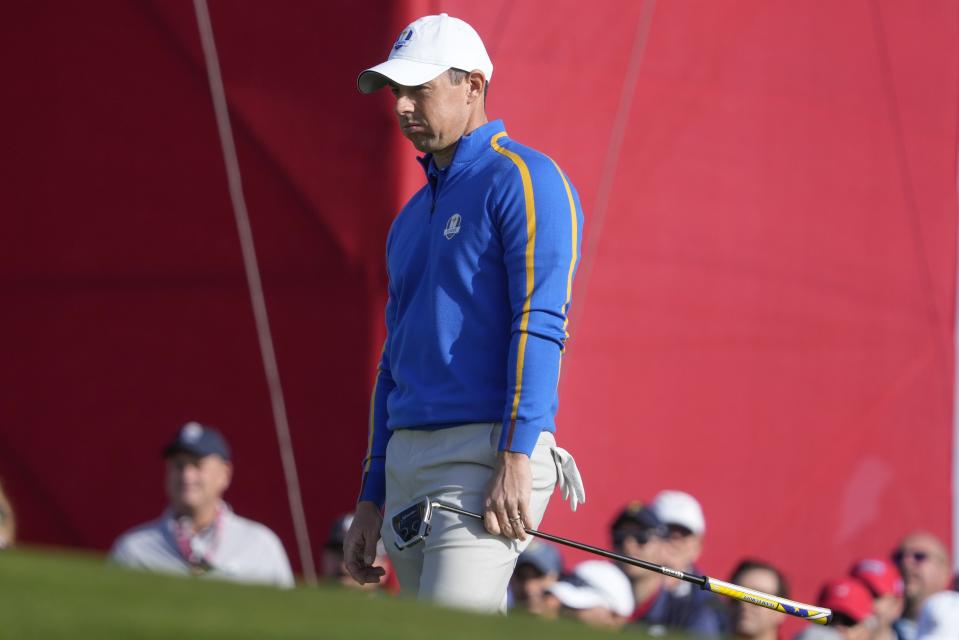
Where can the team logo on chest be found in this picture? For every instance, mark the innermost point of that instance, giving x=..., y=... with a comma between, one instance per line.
x=452, y=226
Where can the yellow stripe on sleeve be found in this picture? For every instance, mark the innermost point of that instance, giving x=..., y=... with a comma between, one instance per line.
x=573, y=253
x=530, y=252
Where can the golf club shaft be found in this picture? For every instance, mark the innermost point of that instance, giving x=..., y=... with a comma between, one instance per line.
x=651, y=566
x=807, y=612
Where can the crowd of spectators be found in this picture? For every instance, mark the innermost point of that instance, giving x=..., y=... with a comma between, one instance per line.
x=908, y=596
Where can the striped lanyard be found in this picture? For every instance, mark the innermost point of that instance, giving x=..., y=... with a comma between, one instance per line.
x=189, y=543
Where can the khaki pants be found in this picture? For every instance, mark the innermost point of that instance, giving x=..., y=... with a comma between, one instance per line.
x=459, y=564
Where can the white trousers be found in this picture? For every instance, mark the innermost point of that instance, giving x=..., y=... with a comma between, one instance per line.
x=459, y=564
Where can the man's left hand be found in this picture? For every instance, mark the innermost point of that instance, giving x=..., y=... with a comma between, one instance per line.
x=506, y=509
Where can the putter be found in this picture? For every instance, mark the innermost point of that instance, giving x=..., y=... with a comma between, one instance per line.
x=412, y=525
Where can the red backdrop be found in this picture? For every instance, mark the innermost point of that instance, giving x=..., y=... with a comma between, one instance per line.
x=763, y=317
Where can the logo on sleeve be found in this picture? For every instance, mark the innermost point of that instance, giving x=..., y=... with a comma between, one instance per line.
x=452, y=226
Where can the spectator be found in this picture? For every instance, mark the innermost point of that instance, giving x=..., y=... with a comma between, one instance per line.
x=334, y=564
x=924, y=563
x=750, y=621
x=638, y=533
x=683, y=608
x=199, y=534
x=8, y=525
x=597, y=593
x=685, y=525
x=884, y=582
x=537, y=569
x=939, y=617
x=851, y=605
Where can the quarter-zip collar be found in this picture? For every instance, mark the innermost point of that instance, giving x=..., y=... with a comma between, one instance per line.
x=468, y=149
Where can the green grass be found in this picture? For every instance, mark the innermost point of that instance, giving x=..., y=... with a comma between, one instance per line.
x=56, y=594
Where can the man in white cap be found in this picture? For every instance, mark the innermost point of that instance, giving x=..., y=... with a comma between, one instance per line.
x=481, y=263
x=685, y=525
x=199, y=534
x=681, y=607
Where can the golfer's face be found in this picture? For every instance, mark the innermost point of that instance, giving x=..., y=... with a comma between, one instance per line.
x=193, y=482
x=434, y=115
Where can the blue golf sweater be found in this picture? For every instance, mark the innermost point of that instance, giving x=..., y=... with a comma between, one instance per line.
x=481, y=263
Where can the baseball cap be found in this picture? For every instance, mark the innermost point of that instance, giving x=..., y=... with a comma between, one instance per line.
x=847, y=596
x=679, y=508
x=542, y=555
x=640, y=514
x=199, y=440
x=425, y=49
x=596, y=583
x=939, y=617
x=880, y=576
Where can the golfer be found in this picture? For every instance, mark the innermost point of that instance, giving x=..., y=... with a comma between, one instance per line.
x=481, y=263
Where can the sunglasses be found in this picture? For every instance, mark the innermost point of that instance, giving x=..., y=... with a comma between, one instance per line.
x=918, y=556
x=678, y=532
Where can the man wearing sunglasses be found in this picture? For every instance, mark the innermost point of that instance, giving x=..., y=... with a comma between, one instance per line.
x=926, y=569
x=638, y=532
x=690, y=610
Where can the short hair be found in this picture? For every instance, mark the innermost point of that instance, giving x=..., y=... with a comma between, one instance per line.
x=749, y=564
x=457, y=76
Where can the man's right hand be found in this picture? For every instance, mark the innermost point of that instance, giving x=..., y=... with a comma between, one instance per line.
x=359, y=547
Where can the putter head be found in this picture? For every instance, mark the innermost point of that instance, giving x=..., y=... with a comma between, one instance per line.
x=412, y=523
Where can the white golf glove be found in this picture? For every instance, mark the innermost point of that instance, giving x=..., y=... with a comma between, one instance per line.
x=570, y=482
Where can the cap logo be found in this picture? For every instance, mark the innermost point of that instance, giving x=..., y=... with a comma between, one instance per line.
x=192, y=432
x=872, y=566
x=452, y=226
x=403, y=39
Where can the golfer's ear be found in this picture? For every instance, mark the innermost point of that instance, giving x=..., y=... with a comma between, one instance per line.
x=477, y=84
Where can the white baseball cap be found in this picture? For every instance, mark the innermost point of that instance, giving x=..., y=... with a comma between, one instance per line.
x=424, y=50
x=679, y=508
x=596, y=583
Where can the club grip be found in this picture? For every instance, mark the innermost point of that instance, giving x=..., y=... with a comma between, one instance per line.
x=819, y=615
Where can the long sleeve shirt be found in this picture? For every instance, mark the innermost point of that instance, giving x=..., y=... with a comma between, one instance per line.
x=481, y=263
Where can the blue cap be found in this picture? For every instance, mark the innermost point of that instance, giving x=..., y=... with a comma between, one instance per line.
x=639, y=514
x=199, y=440
x=542, y=555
